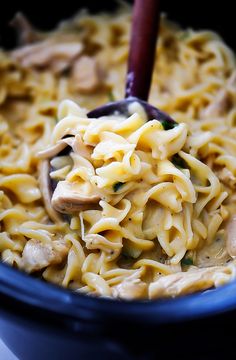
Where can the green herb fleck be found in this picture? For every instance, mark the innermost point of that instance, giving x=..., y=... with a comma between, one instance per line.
x=179, y=162
x=168, y=125
x=111, y=96
x=187, y=261
x=117, y=186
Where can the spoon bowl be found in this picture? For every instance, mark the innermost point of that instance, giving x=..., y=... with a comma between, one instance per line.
x=123, y=107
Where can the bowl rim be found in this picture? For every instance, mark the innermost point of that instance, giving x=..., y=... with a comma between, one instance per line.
x=57, y=301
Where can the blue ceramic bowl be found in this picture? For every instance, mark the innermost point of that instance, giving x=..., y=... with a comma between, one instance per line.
x=39, y=321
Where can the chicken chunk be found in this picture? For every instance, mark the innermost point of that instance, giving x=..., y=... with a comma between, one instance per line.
x=71, y=197
x=231, y=237
x=54, y=55
x=37, y=255
x=85, y=75
x=219, y=106
x=227, y=177
x=131, y=287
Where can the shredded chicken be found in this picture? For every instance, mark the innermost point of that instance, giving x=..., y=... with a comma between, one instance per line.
x=219, y=106
x=54, y=55
x=37, y=255
x=85, y=75
x=214, y=254
x=231, y=237
x=131, y=287
x=223, y=99
x=45, y=189
x=232, y=80
x=70, y=197
x=25, y=31
x=226, y=176
x=188, y=282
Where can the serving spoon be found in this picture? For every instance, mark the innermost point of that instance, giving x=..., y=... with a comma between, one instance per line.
x=145, y=24
x=144, y=33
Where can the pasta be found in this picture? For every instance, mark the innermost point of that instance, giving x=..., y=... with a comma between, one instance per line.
x=118, y=206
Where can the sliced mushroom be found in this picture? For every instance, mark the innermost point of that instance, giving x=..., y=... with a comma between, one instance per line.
x=189, y=282
x=231, y=237
x=85, y=75
x=25, y=31
x=37, y=255
x=71, y=197
x=53, y=150
x=45, y=188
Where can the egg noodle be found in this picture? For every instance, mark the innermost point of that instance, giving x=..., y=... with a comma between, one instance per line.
x=118, y=206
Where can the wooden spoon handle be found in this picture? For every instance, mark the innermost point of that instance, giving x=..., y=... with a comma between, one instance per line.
x=145, y=25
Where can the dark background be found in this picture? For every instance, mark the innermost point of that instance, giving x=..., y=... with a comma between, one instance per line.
x=200, y=14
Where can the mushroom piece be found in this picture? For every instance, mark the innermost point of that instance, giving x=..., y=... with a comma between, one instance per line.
x=231, y=236
x=45, y=188
x=37, y=255
x=25, y=31
x=54, y=149
x=71, y=197
x=75, y=142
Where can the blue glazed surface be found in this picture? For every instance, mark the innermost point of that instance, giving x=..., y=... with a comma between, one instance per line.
x=39, y=321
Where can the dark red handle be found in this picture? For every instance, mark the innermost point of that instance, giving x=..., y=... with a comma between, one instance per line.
x=144, y=32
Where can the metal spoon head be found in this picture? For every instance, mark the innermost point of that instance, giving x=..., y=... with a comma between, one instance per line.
x=123, y=107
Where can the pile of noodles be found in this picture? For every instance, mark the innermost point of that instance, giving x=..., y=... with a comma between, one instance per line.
x=163, y=224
